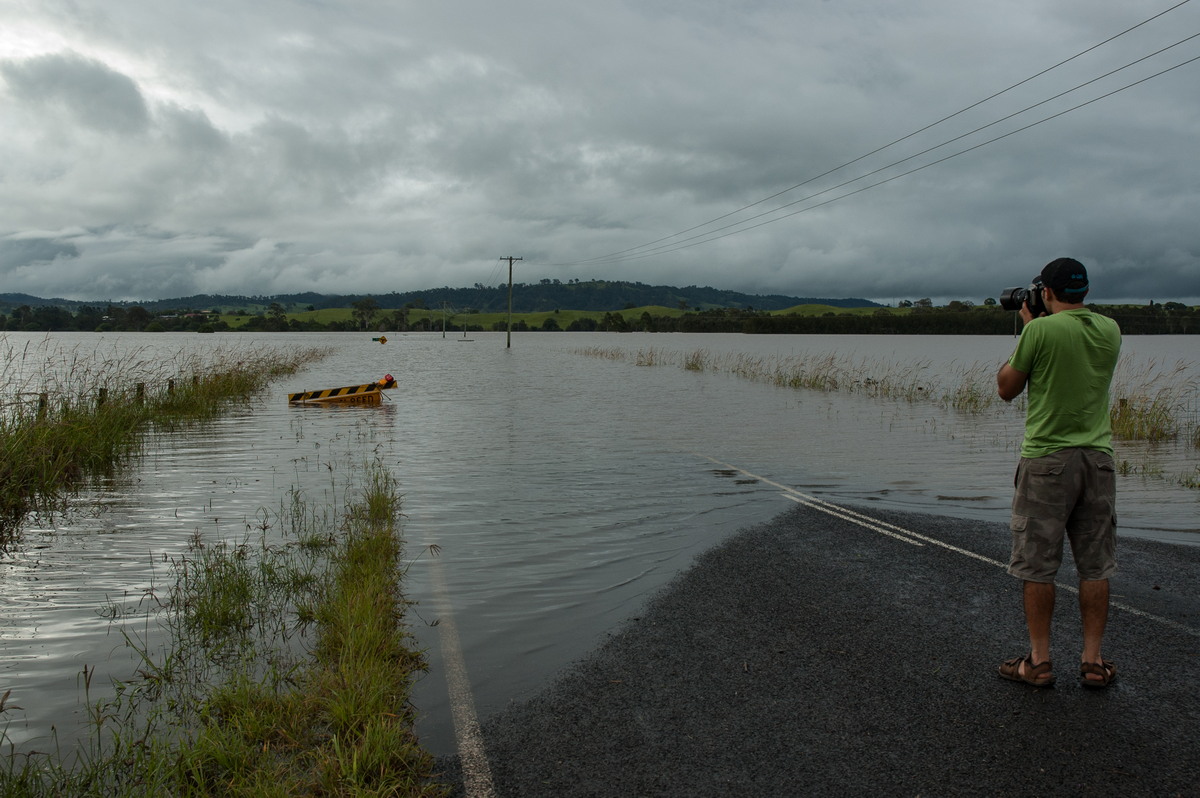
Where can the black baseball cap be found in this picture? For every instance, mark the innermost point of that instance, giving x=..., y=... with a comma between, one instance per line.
x=1065, y=276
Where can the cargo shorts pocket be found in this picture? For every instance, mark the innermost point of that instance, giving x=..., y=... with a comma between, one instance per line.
x=1036, y=549
x=1039, y=488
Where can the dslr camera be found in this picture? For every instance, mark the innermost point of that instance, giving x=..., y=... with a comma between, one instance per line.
x=1014, y=298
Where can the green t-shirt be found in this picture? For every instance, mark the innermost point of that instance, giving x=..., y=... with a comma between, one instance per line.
x=1069, y=357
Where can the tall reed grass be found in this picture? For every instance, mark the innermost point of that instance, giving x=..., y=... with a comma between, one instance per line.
x=1149, y=401
x=1153, y=402
x=67, y=414
x=287, y=671
x=972, y=391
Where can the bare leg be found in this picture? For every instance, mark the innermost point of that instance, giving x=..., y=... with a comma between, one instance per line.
x=1093, y=608
x=1039, y=610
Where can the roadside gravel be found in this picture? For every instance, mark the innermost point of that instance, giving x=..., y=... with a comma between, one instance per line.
x=813, y=656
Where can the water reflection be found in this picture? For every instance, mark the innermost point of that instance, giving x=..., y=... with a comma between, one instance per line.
x=561, y=489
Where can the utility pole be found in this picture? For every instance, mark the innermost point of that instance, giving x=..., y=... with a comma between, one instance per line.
x=508, y=340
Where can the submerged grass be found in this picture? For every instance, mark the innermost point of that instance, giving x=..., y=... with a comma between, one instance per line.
x=288, y=672
x=825, y=372
x=1149, y=402
x=1153, y=403
x=66, y=415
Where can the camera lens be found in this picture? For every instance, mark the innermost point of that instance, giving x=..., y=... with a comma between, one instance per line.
x=1013, y=298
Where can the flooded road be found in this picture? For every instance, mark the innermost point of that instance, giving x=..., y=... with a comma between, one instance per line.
x=562, y=489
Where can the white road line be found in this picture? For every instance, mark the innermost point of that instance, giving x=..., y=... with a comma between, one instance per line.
x=908, y=536
x=477, y=774
x=801, y=499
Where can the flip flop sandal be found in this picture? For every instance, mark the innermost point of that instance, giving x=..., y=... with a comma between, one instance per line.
x=1037, y=675
x=1107, y=671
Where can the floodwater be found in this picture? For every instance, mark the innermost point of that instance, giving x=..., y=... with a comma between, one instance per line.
x=562, y=488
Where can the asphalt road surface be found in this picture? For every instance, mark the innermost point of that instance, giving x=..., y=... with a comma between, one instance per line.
x=816, y=655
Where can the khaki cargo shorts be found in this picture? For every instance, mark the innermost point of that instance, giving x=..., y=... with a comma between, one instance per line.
x=1073, y=493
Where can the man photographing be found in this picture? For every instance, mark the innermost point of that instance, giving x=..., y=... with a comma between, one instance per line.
x=1065, y=482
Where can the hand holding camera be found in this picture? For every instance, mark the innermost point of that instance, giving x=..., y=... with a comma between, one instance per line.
x=1025, y=300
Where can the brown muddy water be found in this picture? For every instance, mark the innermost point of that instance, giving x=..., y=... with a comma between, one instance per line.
x=562, y=488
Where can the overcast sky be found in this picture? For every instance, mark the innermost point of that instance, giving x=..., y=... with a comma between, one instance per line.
x=155, y=149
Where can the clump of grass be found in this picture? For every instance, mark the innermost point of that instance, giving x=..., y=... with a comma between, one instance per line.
x=1151, y=403
x=748, y=367
x=974, y=390
x=1191, y=480
x=68, y=415
x=1142, y=418
x=1148, y=469
x=698, y=360
x=604, y=352
x=651, y=357
x=819, y=374
x=241, y=702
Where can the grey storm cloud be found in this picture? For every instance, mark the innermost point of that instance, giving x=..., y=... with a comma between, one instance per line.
x=26, y=252
x=94, y=94
x=874, y=149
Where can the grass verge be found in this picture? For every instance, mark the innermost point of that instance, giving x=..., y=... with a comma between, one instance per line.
x=288, y=672
x=66, y=415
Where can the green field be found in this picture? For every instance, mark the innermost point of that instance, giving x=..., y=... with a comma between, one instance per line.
x=474, y=321
x=487, y=321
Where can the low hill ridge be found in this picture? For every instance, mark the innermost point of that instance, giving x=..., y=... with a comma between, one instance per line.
x=546, y=295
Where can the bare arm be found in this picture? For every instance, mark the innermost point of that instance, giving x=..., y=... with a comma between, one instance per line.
x=1010, y=382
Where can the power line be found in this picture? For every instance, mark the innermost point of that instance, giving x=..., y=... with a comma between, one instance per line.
x=615, y=256
x=681, y=245
x=672, y=247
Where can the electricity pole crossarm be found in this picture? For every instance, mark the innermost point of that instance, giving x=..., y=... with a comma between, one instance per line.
x=508, y=340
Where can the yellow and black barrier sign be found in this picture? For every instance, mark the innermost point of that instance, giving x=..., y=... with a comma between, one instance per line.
x=367, y=393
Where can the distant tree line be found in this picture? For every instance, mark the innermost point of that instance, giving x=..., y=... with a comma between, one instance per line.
x=957, y=318
x=919, y=318
x=47, y=318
